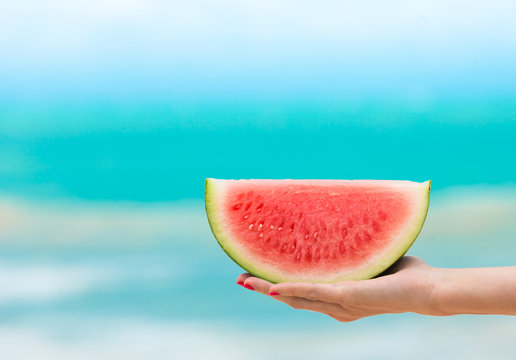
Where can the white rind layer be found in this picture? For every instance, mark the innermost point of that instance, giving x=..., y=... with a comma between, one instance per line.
x=418, y=194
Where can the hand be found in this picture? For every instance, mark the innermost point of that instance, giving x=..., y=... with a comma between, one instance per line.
x=405, y=286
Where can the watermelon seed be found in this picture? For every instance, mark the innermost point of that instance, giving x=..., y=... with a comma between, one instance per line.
x=272, y=226
x=261, y=235
x=316, y=234
x=237, y=206
x=280, y=228
x=246, y=216
x=260, y=227
x=298, y=256
x=251, y=227
x=259, y=208
x=248, y=205
x=284, y=248
x=293, y=247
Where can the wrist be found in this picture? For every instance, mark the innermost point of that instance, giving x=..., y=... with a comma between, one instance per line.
x=429, y=293
x=436, y=304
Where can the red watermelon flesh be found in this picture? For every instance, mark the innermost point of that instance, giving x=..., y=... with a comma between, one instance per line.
x=316, y=230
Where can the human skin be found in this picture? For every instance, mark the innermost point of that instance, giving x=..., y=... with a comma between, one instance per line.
x=410, y=285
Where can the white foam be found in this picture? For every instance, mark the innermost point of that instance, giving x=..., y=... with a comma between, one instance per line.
x=472, y=211
x=79, y=222
x=40, y=283
x=457, y=338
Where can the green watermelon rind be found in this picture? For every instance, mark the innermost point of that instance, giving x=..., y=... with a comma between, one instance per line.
x=389, y=258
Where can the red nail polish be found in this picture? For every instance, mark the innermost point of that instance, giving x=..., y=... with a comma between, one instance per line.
x=241, y=283
x=273, y=293
x=247, y=286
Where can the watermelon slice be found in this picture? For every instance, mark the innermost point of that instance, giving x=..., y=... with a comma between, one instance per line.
x=316, y=230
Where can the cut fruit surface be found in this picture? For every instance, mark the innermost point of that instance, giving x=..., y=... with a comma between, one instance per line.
x=316, y=230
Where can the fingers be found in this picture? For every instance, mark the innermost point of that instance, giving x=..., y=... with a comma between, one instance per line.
x=257, y=284
x=322, y=298
x=329, y=293
x=242, y=278
x=253, y=283
x=311, y=305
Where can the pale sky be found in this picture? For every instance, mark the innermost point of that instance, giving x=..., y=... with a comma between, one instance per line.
x=215, y=45
x=54, y=28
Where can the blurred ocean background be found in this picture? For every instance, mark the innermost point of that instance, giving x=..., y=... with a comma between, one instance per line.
x=112, y=114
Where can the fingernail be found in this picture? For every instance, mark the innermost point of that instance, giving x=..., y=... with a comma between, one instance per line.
x=247, y=286
x=241, y=283
x=273, y=293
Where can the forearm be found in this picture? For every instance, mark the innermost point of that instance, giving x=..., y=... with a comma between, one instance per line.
x=473, y=291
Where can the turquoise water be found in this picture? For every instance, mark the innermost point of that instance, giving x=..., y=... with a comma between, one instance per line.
x=163, y=152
